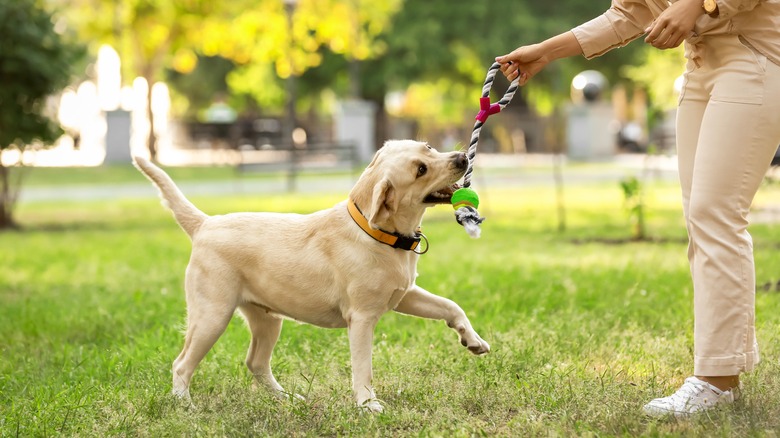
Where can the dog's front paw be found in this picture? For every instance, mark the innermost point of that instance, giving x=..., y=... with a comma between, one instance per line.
x=476, y=345
x=371, y=405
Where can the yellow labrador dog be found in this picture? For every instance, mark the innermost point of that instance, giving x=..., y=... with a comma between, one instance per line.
x=341, y=267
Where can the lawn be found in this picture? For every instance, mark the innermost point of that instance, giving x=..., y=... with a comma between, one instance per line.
x=585, y=326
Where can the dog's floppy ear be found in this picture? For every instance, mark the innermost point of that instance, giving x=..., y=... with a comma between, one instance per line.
x=384, y=203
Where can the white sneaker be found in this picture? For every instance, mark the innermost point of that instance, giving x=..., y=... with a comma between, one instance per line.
x=694, y=395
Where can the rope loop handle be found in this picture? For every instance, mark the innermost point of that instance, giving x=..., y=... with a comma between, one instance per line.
x=466, y=210
x=486, y=109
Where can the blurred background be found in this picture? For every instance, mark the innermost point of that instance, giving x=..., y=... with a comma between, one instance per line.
x=201, y=82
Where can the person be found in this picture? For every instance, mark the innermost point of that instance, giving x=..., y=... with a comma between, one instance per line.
x=728, y=130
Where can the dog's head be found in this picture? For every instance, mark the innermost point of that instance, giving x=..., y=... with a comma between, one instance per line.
x=403, y=179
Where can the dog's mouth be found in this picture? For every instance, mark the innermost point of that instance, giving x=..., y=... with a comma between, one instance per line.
x=441, y=196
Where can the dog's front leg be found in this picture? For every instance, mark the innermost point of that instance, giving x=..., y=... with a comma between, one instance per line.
x=420, y=302
x=361, y=339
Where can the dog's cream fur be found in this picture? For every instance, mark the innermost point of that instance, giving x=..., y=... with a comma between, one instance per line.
x=319, y=268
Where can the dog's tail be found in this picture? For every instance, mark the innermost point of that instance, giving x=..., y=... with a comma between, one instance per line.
x=187, y=215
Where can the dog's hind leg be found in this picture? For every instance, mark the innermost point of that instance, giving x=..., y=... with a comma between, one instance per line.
x=265, y=330
x=420, y=302
x=206, y=321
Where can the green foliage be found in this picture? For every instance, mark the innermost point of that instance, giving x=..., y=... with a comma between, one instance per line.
x=635, y=205
x=334, y=47
x=259, y=83
x=196, y=89
x=656, y=72
x=35, y=63
x=149, y=35
x=447, y=54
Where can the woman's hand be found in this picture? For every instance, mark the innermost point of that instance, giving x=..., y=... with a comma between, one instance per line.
x=525, y=61
x=674, y=24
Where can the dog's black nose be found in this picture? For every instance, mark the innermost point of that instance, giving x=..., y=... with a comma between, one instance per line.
x=461, y=161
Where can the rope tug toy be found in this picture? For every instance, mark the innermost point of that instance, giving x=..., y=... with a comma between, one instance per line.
x=465, y=200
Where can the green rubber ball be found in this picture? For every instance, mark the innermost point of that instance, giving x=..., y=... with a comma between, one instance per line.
x=465, y=196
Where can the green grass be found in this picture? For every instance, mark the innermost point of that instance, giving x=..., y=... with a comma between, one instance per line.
x=583, y=330
x=126, y=174
x=114, y=174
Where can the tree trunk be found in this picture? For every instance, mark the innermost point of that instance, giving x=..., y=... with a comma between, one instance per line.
x=152, y=139
x=380, y=123
x=558, y=151
x=7, y=200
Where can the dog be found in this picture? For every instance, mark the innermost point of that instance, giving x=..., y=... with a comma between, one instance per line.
x=343, y=267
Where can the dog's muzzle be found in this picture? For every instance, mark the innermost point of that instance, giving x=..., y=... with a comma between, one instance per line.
x=461, y=161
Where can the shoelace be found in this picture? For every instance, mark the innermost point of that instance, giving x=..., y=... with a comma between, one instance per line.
x=688, y=391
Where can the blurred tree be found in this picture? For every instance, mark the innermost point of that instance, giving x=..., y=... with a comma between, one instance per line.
x=532, y=21
x=258, y=36
x=657, y=72
x=435, y=50
x=149, y=35
x=459, y=44
x=195, y=90
x=36, y=61
x=438, y=55
x=269, y=46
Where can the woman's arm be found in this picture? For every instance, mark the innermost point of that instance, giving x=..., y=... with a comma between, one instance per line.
x=527, y=61
x=622, y=23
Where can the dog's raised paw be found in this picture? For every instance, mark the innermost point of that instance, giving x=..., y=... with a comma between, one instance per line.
x=474, y=343
x=477, y=346
x=482, y=348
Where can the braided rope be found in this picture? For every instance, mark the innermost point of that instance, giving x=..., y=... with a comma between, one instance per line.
x=468, y=216
x=482, y=116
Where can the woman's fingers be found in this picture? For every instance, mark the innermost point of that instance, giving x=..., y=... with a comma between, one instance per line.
x=652, y=33
x=523, y=78
x=508, y=68
x=667, y=39
x=664, y=37
x=519, y=63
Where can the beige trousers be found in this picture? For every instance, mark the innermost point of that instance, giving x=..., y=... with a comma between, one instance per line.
x=728, y=128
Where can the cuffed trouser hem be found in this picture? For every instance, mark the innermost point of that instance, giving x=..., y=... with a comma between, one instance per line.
x=726, y=366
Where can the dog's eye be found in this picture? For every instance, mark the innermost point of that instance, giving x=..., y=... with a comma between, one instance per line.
x=422, y=170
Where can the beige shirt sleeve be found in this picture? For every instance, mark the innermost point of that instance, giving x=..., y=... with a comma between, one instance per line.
x=622, y=23
x=729, y=8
